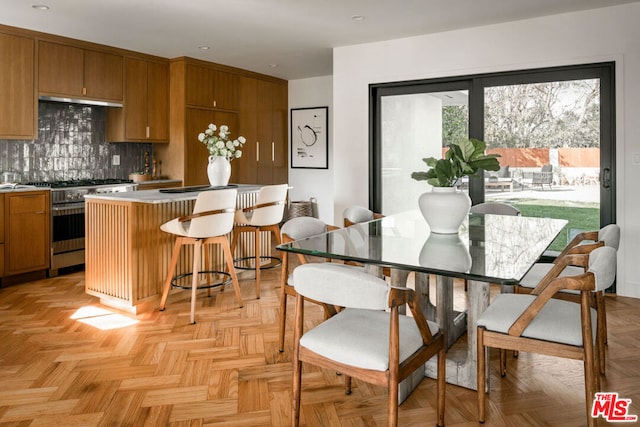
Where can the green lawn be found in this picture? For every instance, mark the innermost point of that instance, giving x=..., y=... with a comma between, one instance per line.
x=581, y=217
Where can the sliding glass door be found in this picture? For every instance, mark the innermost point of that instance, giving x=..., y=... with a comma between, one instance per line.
x=554, y=130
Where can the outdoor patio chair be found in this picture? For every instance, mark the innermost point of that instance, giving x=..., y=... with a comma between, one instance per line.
x=542, y=178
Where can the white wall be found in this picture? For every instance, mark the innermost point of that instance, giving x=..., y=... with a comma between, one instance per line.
x=318, y=183
x=609, y=34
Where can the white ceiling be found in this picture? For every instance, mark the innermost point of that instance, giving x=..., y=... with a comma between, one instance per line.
x=296, y=35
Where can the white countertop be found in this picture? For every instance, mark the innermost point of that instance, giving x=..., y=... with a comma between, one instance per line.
x=8, y=188
x=158, y=181
x=158, y=196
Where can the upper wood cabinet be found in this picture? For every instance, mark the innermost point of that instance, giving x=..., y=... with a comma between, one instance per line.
x=206, y=87
x=145, y=114
x=18, y=106
x=71, y=71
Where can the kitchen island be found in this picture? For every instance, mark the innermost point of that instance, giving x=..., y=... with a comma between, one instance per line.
x=127, y=255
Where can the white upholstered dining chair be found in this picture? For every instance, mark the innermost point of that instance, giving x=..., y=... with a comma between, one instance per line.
x=297, y=229
x=539, y=323
x=582, y=243
x=364, y=341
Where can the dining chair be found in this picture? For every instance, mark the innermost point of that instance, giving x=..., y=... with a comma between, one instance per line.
x=493, y=208
x=297, y=229
x=584, y=242
x=265, y=215
x=210, y=222
x=356, y=215
x=364, y=341
x=538, y=323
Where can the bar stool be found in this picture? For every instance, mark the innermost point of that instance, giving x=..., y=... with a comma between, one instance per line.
x=210, y=222
x=265, y=215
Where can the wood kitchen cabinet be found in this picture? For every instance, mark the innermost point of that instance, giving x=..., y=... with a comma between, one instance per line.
x=18, y=105
x=252, y=105
x=206, y=87
x=263, y=121
x=70, y=71
x=26, y=232
x=145, y=114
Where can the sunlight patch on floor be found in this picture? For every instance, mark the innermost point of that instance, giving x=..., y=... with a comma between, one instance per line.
x=102, y=319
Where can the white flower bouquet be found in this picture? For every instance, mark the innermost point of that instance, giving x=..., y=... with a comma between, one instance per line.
x=219, y=144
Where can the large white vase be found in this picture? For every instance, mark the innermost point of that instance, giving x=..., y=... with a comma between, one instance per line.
x=444, y=209
x=218, y=171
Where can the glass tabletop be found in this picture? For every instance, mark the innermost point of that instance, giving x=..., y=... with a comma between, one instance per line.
x=489, y=248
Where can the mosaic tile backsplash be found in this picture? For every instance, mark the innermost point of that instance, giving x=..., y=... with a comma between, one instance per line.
x=71, y=145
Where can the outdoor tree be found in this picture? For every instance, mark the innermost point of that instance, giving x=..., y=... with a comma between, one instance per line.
x=554, y=114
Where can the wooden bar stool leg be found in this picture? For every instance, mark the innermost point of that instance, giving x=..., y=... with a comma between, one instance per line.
x=172, y=268
x=207, y=267
x=257, y=255
x=194, y=279
x=232, y=271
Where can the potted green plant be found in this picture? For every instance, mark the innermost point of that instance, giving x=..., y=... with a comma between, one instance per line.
x=444, y=207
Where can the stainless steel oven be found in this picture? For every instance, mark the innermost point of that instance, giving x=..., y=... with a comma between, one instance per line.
x=67, y=217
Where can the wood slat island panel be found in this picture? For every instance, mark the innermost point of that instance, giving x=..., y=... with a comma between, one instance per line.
x=127, y=256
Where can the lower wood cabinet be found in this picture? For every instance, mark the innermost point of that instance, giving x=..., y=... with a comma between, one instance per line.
x=25, y=232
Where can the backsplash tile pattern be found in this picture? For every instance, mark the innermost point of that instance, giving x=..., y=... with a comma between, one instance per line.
x=71, y=145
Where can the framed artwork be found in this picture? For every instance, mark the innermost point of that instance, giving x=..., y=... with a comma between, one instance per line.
x=309, y=138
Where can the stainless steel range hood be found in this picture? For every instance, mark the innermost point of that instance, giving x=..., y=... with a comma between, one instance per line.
x=80, y=101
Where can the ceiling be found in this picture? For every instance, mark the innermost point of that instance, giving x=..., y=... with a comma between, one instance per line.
x=290, y=39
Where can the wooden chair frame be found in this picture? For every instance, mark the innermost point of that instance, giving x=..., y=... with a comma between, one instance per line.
x=597, y=300
x=548, y=287
x=397, y=372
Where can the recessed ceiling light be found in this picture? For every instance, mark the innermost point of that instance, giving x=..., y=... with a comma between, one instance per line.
x=40, y=7
x=273, y=65
x=357, y=18
x=202, y=47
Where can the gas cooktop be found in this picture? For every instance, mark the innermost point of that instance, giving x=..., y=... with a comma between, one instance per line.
x=80, y=183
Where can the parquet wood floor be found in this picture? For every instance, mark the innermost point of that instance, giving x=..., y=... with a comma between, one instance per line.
x=64, y=364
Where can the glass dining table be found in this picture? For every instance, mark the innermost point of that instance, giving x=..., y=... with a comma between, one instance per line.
x=497, y=249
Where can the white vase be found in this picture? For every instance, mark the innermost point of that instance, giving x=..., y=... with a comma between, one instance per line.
x=444, y=209
x=218, y=171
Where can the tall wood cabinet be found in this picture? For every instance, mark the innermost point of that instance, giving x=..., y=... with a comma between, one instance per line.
x=70, y=71
x=18, y=105
x=25, y=232
x=263, y=121
x=252, y=105
x=145, y=114
x=196, y=155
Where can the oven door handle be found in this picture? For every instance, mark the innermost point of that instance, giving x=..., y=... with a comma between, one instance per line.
x=68, y=209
